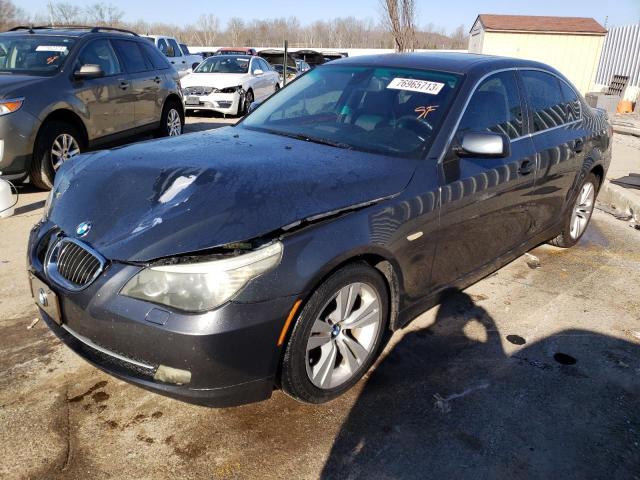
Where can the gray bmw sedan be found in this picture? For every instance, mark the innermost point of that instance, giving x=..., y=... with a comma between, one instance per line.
x=280, y=253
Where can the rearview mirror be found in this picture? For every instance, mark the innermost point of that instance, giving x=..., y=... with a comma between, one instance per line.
x=483, y=144
x=257, y=72
x=89, y=71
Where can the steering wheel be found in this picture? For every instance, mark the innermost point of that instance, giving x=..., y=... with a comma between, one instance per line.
x=422, y=128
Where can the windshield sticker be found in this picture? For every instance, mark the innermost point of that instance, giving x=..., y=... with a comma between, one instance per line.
x=242, y=59
x=51, y=48
x=412, y=85
x=424, y=111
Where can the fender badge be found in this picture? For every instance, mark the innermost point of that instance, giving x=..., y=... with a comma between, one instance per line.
x=83, y=229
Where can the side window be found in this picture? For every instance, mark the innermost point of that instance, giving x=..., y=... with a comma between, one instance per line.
x=131, y=55
x=173, y=47
x=163, y=47
x=494, y=107
x=571, y=102
x=265, y=66
x=99, y=52
x=154, y=56
x=255, y=65
x=545, y=99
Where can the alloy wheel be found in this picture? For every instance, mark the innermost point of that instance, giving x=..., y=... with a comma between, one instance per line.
x=64, y=147
x=582, y=210
x=343, y=335
x=174, y=123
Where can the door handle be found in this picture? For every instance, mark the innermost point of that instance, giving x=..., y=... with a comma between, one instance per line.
x=578, y=146
x=526, y=167
x=184, y=61
x=157, y=79
x=124, y=85
x=172, y=62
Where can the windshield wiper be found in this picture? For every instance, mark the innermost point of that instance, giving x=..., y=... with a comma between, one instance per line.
x=312, y=139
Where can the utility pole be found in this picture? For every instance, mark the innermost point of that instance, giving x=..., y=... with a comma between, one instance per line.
x=285, y=63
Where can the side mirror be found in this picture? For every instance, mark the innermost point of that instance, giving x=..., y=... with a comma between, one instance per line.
x=89, y=71
x=253, y=106
x=484, y=144
x=257, y=72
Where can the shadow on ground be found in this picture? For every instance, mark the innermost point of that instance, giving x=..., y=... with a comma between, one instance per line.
x=441, y=405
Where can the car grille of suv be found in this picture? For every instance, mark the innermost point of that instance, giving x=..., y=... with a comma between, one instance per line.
x=72, y=264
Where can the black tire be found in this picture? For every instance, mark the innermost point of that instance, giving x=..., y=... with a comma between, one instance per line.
x=565, y=239
x=294, y=379
x=277, y=88
x=246, y=103
x=169, y=106
x=41, y=170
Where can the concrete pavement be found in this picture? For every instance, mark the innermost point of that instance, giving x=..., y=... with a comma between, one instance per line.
x=625, y=160
x=530, y=373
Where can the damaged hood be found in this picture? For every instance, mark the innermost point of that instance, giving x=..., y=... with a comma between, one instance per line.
x=199, y=191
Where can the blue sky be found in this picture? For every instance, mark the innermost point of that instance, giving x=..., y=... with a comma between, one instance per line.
x=448, y=14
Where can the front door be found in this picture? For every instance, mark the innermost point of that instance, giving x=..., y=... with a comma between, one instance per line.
x=108, y=99
x=485, y=201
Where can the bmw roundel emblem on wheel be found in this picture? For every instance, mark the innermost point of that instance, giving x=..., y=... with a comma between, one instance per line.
x=83, y=229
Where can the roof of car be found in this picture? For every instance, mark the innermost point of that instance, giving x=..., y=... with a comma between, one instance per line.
x=453, y=62
x=71, y=31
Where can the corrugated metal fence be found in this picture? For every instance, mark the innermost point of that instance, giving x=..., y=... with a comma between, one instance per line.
x=620, y=55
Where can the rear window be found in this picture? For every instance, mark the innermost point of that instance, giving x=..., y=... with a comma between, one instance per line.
x=156, y=58
x=131, y=55
x=545, y=98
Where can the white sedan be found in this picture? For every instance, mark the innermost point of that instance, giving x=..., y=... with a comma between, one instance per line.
x=229, y=83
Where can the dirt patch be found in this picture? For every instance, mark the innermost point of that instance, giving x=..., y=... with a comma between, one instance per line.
x=97, y=386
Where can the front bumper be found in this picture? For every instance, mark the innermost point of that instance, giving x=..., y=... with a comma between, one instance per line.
x=17, y=137
x=227, y=103
x=231, y=353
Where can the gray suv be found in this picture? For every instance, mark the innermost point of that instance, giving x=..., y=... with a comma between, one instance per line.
x=63, y=91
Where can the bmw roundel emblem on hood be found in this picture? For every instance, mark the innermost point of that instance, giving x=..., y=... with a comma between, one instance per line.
x=83, y=228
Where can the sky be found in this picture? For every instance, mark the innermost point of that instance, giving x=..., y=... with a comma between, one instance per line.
x=183, y=12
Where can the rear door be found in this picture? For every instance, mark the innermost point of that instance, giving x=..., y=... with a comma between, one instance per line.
x=144, y=82
x=108, y=100
x=485, y=201
x=558, y=136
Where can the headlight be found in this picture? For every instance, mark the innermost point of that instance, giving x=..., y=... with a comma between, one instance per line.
x=10, y=106
x=230, y=89
x=197, y=287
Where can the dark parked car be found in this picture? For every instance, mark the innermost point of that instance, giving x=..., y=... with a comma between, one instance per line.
x=64, y=91
x=281, y=251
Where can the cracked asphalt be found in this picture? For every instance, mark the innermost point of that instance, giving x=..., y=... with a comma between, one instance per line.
x=530, y=373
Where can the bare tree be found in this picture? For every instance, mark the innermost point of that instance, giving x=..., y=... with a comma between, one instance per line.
x=400, y=18
x=207, y=29
x=10, y=15
x=64, y=13
x=235, y=29
x=104, y=14
x=460, y=39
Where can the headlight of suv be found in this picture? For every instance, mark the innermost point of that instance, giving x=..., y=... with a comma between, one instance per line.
x=197, y=287
x=10, y=106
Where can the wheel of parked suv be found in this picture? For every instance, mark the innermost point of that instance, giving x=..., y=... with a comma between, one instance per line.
x=337, y=335
x=56, y=143
x=578, y=217
x=172, y=121
x=248, y=100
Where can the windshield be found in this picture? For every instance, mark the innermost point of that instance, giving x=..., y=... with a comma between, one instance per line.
x=224, y=64
x=382, y=110
x=33, y=54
